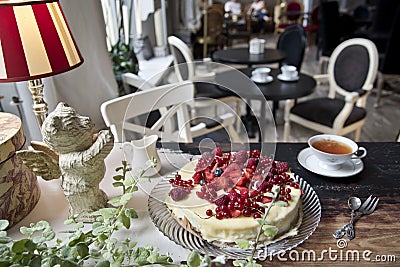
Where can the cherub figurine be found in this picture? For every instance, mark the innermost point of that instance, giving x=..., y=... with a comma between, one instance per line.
x=72, y=150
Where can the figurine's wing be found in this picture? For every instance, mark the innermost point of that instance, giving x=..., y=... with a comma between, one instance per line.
x=45, y=148
x=41, y=163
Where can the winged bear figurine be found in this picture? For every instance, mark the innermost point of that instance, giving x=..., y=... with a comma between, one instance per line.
x=71, y=150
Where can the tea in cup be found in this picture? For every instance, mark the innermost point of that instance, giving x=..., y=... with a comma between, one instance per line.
x=289, y=72
x=261, y=74
x=333, y=150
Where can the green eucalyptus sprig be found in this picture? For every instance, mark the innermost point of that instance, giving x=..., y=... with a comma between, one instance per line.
x=91, y=244
x=265, y=229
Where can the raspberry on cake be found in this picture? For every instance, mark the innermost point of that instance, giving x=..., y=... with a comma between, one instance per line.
x=225, y=194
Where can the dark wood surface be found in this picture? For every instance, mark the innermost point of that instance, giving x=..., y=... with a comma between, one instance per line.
x=377, y=235
x=242, y=56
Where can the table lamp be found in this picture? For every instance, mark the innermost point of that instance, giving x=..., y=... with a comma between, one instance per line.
x=35, y=42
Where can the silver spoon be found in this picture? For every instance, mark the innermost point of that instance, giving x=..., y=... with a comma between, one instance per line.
x=354, y=204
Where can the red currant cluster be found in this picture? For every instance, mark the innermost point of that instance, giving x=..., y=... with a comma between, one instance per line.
x=181, y=188
x=177, y=181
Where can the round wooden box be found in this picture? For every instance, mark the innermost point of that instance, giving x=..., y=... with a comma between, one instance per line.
x=19, y=189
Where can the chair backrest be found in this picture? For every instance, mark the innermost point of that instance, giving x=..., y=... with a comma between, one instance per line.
x=293, y=43
x=215, y=23
x=182, y=54
x=353, y=67
x=119, y=113
x=293, y=9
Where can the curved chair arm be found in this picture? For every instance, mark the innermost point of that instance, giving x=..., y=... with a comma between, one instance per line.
x=341, y=118
x=134, y=80
x=321, y=78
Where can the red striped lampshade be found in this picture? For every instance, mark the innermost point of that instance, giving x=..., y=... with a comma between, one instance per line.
x=35, y=41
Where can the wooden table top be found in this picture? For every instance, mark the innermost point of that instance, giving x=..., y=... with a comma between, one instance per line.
x=377, y=239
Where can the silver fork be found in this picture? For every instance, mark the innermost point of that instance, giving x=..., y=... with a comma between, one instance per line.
x=366, y=208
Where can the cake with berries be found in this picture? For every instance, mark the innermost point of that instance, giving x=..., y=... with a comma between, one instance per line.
x=225, y=197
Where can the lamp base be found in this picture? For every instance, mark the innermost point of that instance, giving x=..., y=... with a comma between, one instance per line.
x=39, y=105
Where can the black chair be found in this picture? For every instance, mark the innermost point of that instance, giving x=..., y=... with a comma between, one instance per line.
x=351, y=73
x=293, y=43
x=389, y=65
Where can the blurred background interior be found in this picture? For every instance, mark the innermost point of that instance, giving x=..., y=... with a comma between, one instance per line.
x=142, y=29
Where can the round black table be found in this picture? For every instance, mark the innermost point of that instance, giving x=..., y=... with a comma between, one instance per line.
x=275, y=91
x=242, y=56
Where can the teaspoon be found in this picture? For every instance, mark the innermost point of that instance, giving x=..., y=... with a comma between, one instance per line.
x=354, y=204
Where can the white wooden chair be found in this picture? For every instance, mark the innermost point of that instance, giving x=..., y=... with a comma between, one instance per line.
x=187, y=69
x=352, y=71
x=119, y=113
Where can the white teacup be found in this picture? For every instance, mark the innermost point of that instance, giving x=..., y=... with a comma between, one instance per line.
x=289, y=72
x=261, y=74
x=333, y=150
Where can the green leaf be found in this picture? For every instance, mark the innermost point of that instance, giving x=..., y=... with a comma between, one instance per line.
x=125, y=220
x=3, y=233
x=82, y=250
x=99, y=230
x=243, y=244
x=131, y=213
x=26, y=231
x=30, y=246
x=19, y=246
x=193, y=259
x=4, y=224
x=36, y=262
x=5, y=240
x=107, y=213
x=115, y=201
x=119, y=169
x=261, y=221
x=118, y=184
x=281, y=203
x=270, y=230
x=130, y=181
x=49, y=235
x=79, y=225
x=125, y=198
x=103, y=264
x=118, y=177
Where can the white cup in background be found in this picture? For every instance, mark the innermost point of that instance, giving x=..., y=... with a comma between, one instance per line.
x=333, y=150
x=256, y=46
x=260, y=74
x=289, y=72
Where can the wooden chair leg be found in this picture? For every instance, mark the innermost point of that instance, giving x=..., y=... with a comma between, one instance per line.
x=286, y=131
x=357, y=135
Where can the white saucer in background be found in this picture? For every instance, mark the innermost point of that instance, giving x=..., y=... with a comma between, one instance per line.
x=268, y=79
x=287, y=79
x=309, y=161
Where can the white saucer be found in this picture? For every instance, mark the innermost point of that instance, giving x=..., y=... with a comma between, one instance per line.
x=286, y=79
x=268, y=79
x=309, y=161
